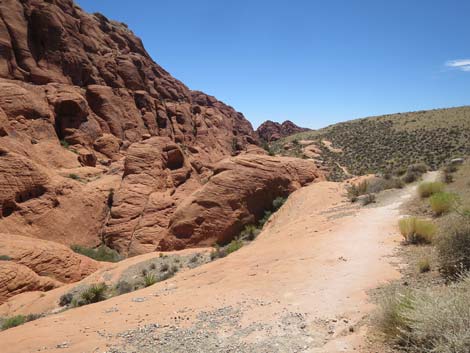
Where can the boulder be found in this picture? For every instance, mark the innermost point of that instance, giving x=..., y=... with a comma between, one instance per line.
x=239, y=193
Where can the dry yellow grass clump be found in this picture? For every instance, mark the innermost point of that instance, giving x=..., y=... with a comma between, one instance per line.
x=416, y=230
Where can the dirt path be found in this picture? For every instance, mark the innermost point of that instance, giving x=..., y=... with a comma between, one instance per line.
x=300, y=287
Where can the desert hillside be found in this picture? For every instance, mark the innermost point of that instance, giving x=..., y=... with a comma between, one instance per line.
x=384, y=143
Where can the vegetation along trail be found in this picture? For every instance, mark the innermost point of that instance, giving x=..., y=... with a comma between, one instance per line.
x=300, y=287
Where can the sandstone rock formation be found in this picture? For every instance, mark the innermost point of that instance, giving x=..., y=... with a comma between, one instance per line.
x=99, y=144
x=16, y=278
x=272, y=131
x=38, y=265
x=241, y=189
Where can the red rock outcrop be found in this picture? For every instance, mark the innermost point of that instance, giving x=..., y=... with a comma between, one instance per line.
x=98, y=143
x=16, y=278
x=272, y=131
x=241, y=189
x=47, y=258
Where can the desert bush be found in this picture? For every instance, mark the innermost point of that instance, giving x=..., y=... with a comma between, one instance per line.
x=447, y=178
x=453, y=249
x=101, y=253
x=64, y=144
x=74, y=176
x=428, y=321
x=390, y=316
x=424, y=265
x=278, y=202
x=164, y=267
x=218, y=252
x=66, y=299
x=13, y=322
x=400, y=171
x=438, y=320
x=194, y=258
x=93, y=294
x=355, y=190
x=234, y=245
x=5, y=258
x=416, y=231
x=442, y=202
x=419, y=168
x=250, y=232
x=429, y=188
x=149, y=279
x=123, y=287
x=262, y=221
x=410, y=177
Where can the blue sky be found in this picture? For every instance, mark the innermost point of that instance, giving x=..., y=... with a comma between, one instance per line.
x=313, y=62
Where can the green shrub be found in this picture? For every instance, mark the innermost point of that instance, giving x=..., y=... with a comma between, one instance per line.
x=93, y=294
x=18, y=320
x=13, y=322
x=218, y=252
x=424, y=265
x=150, y=279
x=453, y=248
x=429, y=188
x=234, y=245
x=416, y=230
x=278, y=202
x=165, y=267
x=101, y=253
x=64, y=144
x=262, y=221
x=250, y=232
x=442, y=202
x=5, y=258
x=74, y=176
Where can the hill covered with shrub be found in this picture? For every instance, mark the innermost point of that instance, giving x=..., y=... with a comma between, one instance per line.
x=388, y=142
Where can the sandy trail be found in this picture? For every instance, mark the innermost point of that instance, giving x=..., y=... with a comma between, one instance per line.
x=300, y=287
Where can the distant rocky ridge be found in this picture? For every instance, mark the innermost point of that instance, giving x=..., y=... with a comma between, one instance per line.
x=99, y=144
x=271, y=131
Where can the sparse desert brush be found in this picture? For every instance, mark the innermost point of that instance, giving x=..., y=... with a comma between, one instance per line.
x=93, y=294
x=250, y=232
x=427, y=321
x=410, y=177
x=101, y=253
x=424, y=265
x=442, y=202
x=416, y=231
x=419, y=168
x=390, y=316
x=234, y=245
x=123, y=287
x=149, y=279
x=355, y=190
x=18, y=320
x=429, y=188
x=453, y=248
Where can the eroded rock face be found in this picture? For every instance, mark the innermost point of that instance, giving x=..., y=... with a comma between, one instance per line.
x=241, y=189
x=98, y=143
x=47, y=258
x=272, y=131
x=16, y=278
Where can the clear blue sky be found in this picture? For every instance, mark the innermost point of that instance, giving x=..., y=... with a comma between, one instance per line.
x=314, y=62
